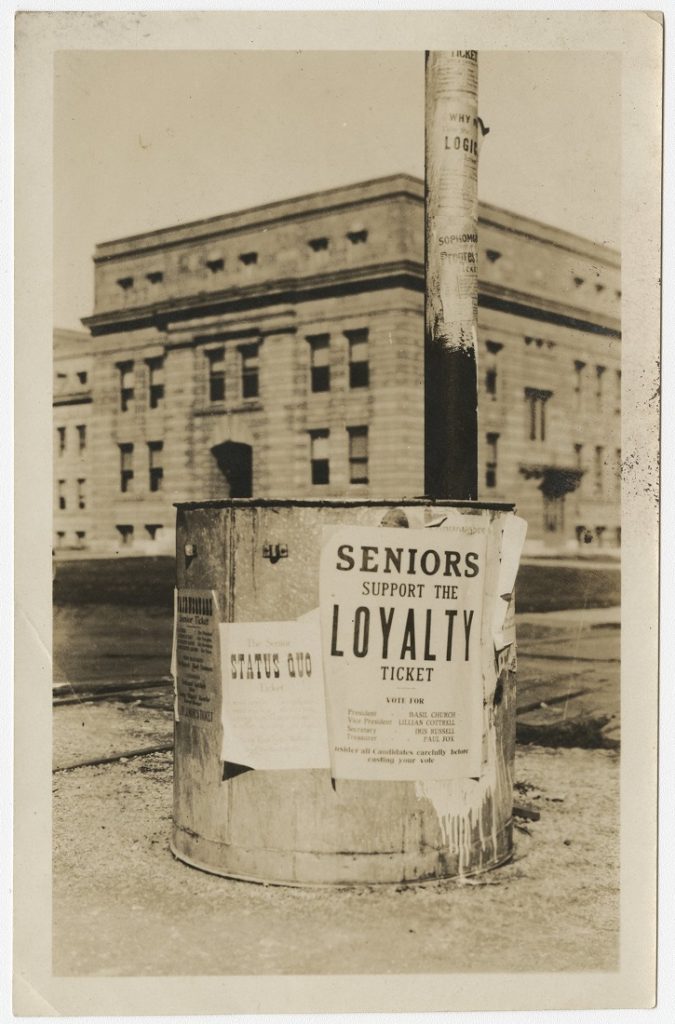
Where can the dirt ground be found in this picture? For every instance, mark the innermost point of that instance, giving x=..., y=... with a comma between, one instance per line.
x=124, y=906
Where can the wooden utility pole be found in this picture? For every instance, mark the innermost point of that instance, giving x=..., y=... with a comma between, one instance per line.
x=451, y=162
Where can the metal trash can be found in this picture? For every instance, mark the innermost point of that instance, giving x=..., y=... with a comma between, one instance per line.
x=260, y=560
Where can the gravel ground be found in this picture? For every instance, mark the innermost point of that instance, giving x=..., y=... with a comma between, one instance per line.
x=124, y=906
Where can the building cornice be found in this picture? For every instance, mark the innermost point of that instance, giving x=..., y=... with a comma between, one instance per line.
x=399, y=273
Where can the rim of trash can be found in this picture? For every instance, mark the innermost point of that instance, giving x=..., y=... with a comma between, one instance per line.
x=498, y=506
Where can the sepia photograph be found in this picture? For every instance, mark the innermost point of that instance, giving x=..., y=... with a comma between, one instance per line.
x=350, y=441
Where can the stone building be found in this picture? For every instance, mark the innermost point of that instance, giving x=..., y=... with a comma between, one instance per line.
x=279, y=352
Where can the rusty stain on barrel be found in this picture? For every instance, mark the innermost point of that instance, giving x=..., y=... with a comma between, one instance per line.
x=296, y=827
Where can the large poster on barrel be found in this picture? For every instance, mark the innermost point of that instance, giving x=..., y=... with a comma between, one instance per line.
x=401, y=614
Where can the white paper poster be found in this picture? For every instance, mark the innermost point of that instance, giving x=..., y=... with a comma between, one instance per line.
x=274, y=713
x=194, y=660
x=401, y=613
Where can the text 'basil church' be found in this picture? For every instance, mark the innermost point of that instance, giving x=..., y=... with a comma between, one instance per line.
x=279, y=352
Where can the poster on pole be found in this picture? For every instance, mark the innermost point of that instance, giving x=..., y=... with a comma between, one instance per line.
x=401, y=615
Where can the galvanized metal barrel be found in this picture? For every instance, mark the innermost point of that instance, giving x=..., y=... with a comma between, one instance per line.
x=300, y=827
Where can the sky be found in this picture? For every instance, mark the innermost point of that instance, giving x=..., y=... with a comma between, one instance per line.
x=146, y=140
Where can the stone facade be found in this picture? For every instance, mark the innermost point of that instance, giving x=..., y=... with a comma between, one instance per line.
x=279, y=352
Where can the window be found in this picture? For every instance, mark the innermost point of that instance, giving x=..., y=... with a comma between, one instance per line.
x=60, y=538
x=491, y=381
x=617, y=387
x=156, y=471
x=215, y=265
x=579, y=367
x=126, y=384
x=598, y=470
x=248, y=258
x=216, y=358
x=358, y=236
x=358, y=455
x=358, y=358
x=82, y=376
x=126, y=467
x=320, y=355
x=81, y=436
x=62, y=495
x=61, y=434
x=318, y=244
x=125, y=283
x=536, y=401
x=126, y=533
x=80, y=537
x=81, y=500
x=250, y=364
x=154, y=530
x=554, y=514
x=155, y=276
x=319, y=456
x=491, y=464
x=599, y=375
x=155, y=381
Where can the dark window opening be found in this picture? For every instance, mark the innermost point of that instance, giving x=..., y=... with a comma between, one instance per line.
x=125, y=283
x=82, y=376
x=491, y=464
x=81, y=501
x=156, y=381
x=126, y=467
x=80, y=537
x=81, y=436
x=319, y=356
x=578, y=281
x=554, y=513
x=599, y=470
x=62, y=495
x=126, y=384
x=358, y=237
x=359, y=373
x=60, y=538
x=126, y=532
x=358, y=455
x=536, y=401
x=156, y=471
x=61, y=432
x=248, y=258
x=216, y=264
x=216, y=375
x=493, y=255
x=250, y=366
x=152, y=529
x=491, y=381
x=318, y=244
x=319, y=457
x=155, y=276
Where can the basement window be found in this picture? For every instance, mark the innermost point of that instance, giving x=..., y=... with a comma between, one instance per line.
x=126, y=532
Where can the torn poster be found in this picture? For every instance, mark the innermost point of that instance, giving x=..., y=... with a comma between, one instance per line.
x=503, y=620
x=194, y=662
x=273, y=713
x=401, y=615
